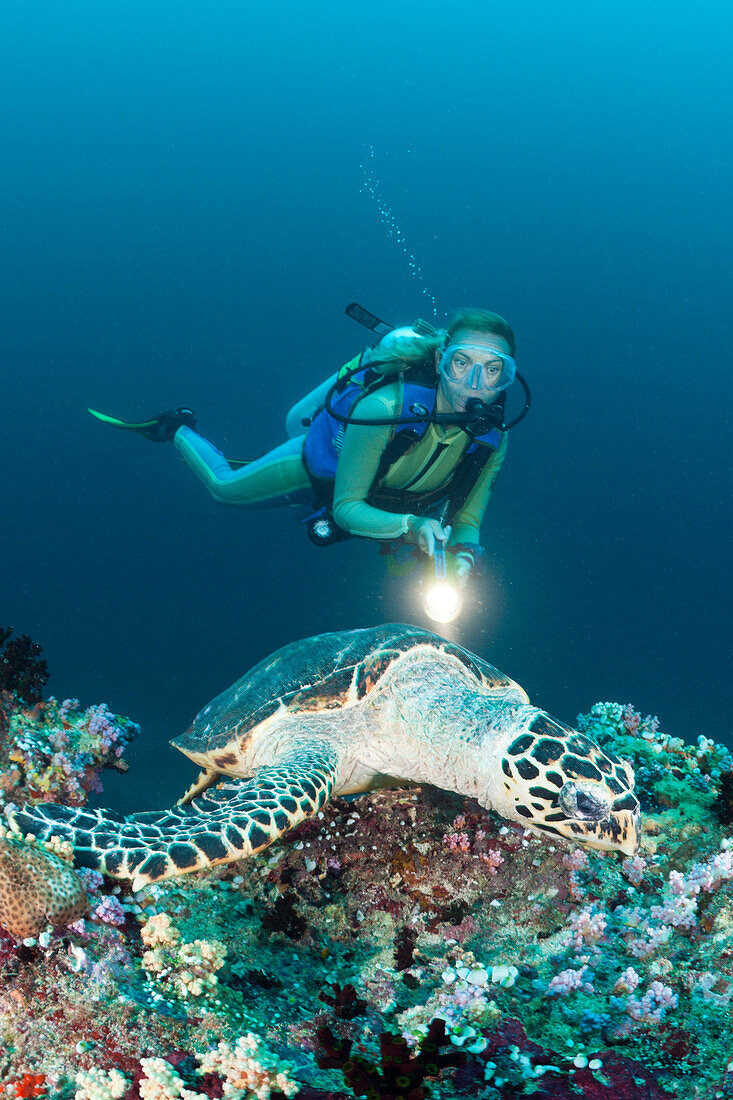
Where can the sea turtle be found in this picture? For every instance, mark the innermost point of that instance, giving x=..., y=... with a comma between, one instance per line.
x=341, y=713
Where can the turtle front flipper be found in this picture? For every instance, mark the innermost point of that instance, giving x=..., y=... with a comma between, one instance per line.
x=205, y=779
x=237, y=818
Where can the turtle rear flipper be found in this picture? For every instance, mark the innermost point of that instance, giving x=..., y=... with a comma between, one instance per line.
x=236, y=819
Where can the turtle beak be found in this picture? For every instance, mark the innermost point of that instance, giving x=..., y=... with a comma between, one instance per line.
x=630, y=831
x=612, y=826
x=619, y=832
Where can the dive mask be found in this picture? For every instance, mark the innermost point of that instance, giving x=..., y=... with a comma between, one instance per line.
x=476, y=367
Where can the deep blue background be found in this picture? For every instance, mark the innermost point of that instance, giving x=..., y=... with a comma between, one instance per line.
x=183, y=218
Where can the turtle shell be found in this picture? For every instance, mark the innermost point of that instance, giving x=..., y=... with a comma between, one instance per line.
x=325, y=672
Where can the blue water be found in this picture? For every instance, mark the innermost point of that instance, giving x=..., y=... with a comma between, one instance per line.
x=184, y=217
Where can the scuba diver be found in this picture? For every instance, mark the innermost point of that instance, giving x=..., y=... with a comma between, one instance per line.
x=402, y=445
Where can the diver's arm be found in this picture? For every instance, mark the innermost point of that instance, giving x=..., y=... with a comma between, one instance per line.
x=358, y=463
x=469, y=517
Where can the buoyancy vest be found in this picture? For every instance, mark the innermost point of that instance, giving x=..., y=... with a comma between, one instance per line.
x=325, y=436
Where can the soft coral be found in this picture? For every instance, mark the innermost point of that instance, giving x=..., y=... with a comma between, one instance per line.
x=30, y=1085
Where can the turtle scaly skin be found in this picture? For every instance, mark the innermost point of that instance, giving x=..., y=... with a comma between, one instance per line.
x=341, y=713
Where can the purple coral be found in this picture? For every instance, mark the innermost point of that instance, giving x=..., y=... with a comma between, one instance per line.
x=568, y=981
x=653, y=1005
x=109, y=911
x=55, y=752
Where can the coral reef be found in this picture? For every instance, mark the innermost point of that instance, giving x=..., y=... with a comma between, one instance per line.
x=49, y=751
x=401, y=943
x=55, y=751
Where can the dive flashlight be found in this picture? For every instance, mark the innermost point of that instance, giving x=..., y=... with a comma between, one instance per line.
x=442, y=599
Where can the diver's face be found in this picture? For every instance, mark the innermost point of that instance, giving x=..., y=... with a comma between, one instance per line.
x=472, y=370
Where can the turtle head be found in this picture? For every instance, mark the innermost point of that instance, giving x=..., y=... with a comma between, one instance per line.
x=560, y=783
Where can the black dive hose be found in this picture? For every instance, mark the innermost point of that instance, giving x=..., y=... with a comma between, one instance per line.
x=477, y=419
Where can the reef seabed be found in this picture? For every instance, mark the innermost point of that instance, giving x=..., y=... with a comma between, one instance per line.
x=402, y=943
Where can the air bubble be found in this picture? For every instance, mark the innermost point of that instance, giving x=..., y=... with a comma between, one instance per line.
x=372, y=186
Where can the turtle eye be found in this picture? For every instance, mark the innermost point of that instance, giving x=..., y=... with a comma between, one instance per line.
x=586, y=805
x=581, y=802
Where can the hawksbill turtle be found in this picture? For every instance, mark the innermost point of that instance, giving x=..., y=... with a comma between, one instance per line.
x=346, y=712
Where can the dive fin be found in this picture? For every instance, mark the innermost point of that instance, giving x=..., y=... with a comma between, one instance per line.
x=160, y=429
x=131, y=427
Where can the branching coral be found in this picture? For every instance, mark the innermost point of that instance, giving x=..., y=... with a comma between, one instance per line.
x=36, y=887
x=99, y=1084
x=459, y=839
x=188, y=969
x=247, y=1070
x=161, y=1082
x=660, y=761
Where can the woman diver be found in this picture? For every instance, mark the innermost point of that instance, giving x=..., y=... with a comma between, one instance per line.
x=403, y=444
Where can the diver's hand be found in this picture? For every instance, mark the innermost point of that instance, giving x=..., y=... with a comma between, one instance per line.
x=425, y=533
x=462, y=568
x=464, y=558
